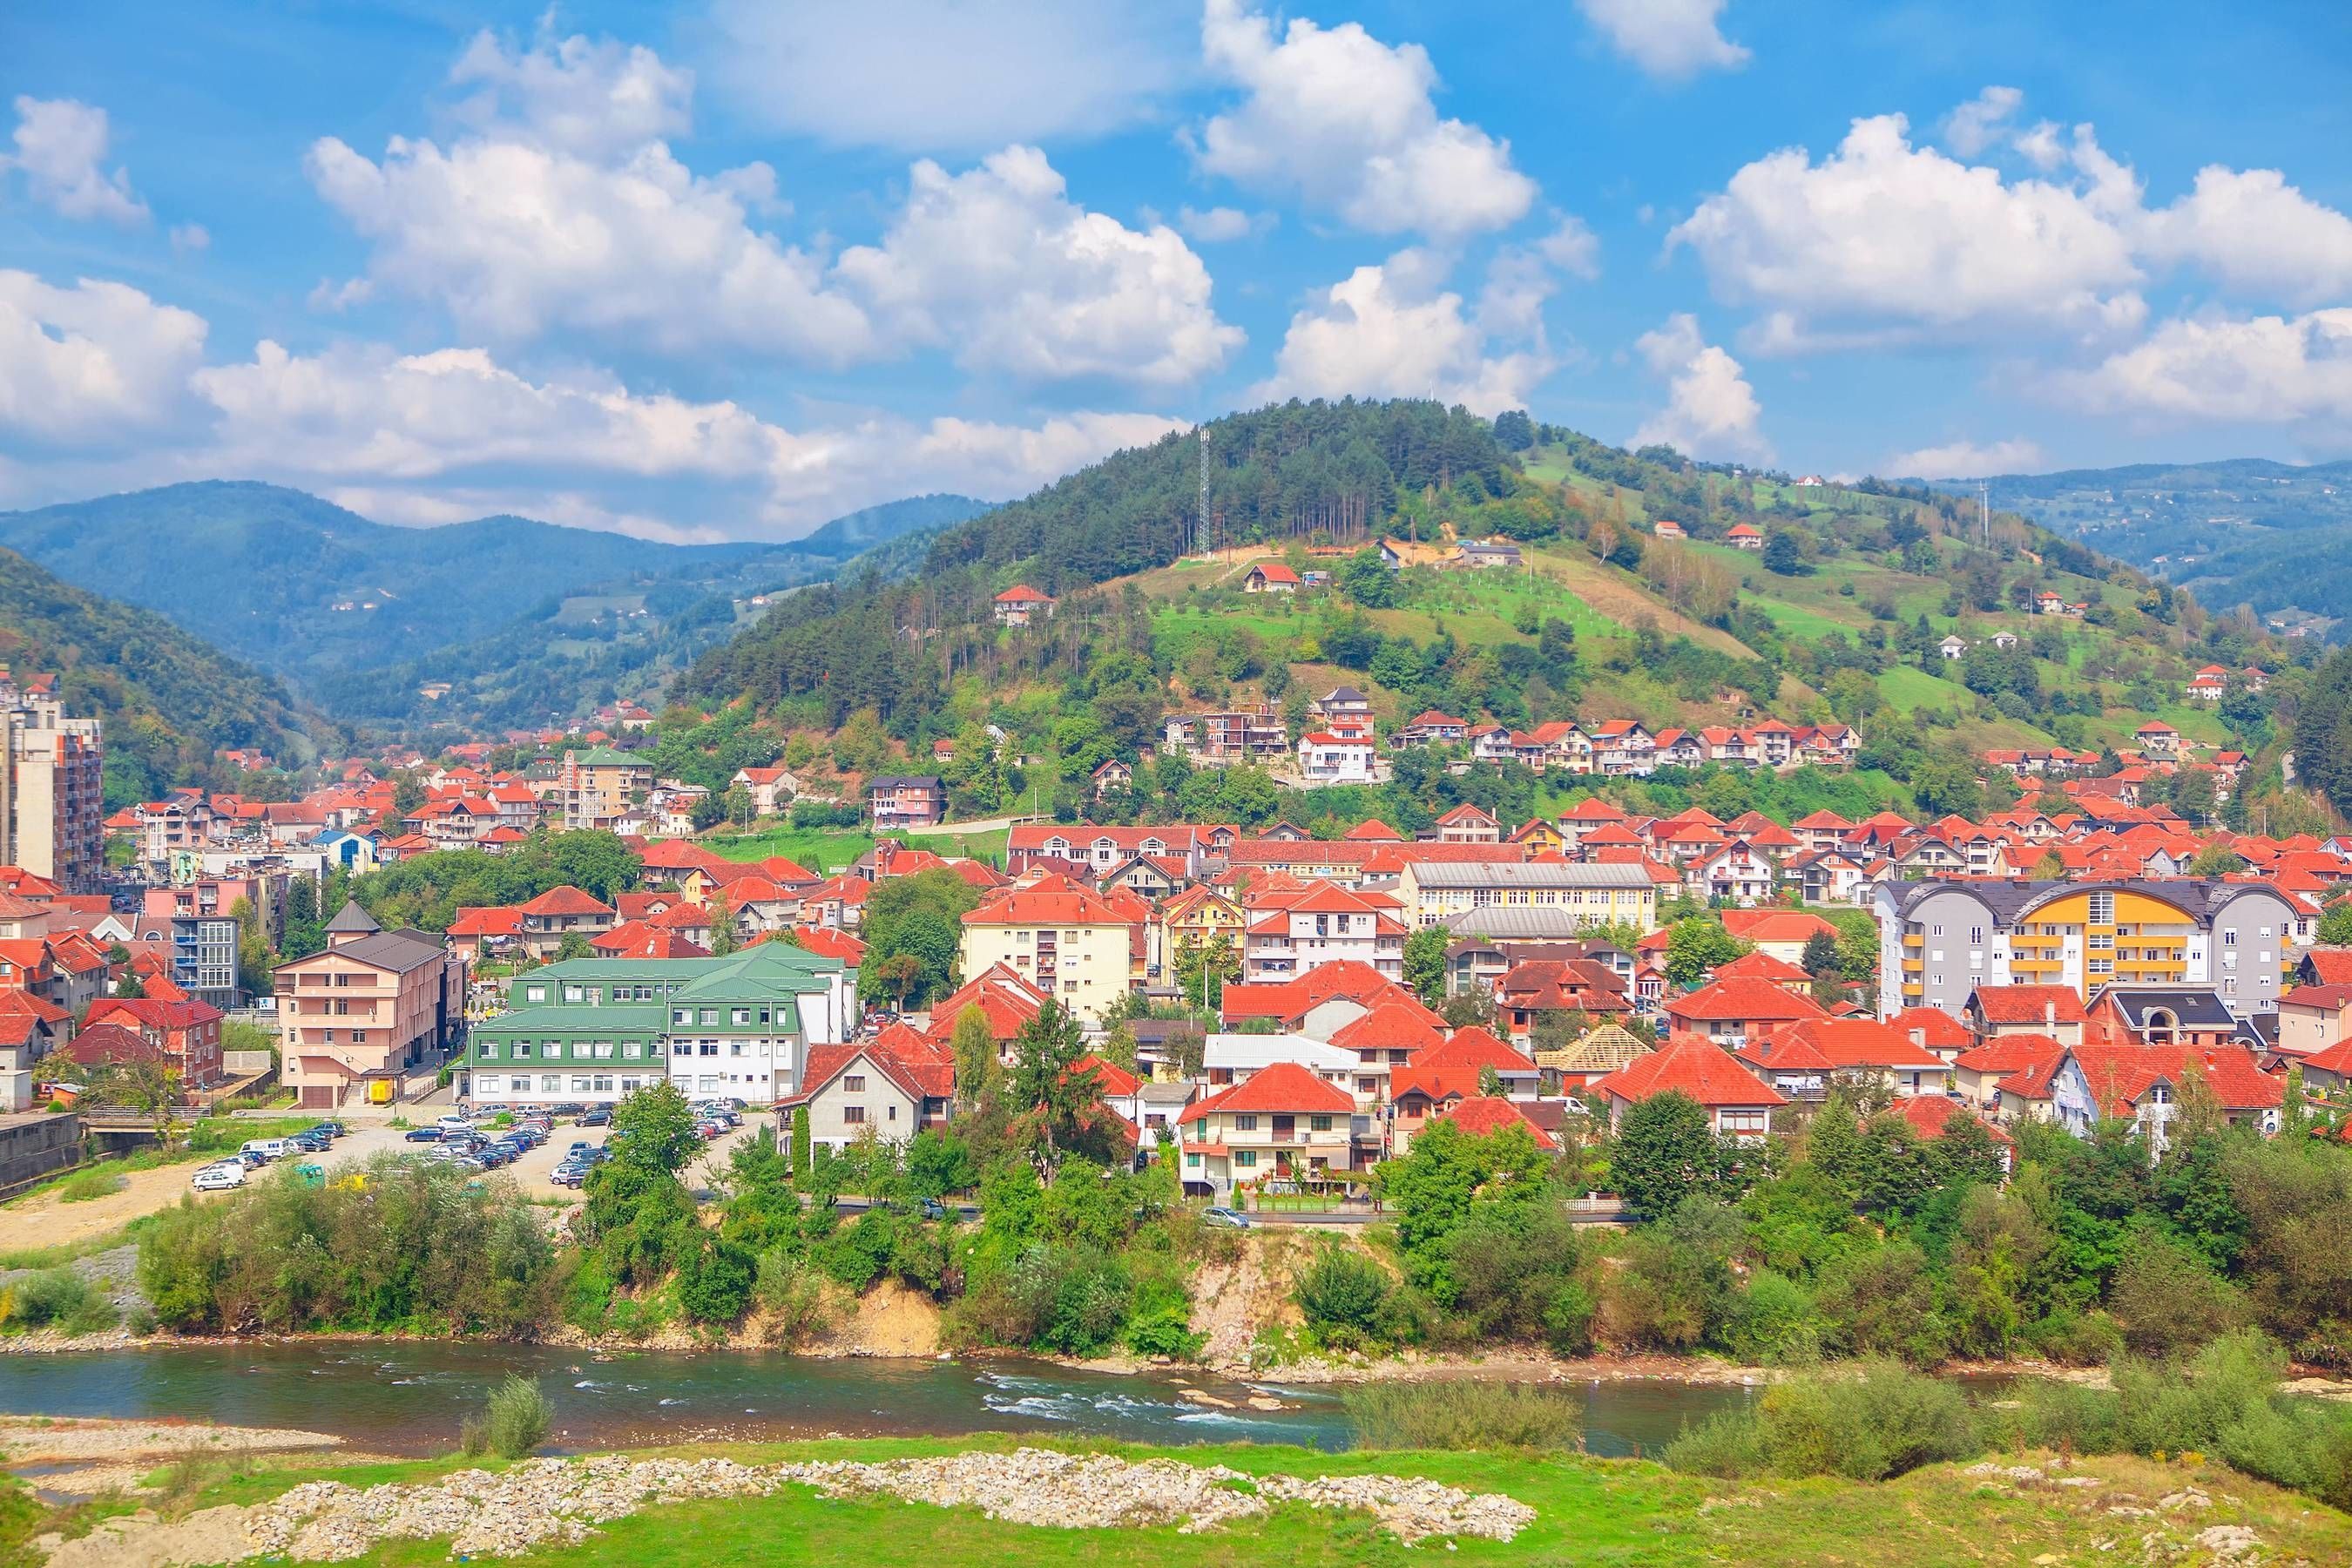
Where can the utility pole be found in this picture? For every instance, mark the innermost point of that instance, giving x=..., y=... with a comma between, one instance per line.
x=1984, y=513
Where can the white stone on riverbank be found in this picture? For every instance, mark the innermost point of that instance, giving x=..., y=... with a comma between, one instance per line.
x=545, y=1501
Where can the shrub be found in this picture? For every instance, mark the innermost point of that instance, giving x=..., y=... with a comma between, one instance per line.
x=1866, y=1422
x=793, y=1296
x=2075, y=1338
x=2169, y=1301
x=1568, y=1321
x=1882, y=1303
x=1461, y=1414
x=714, y=1284
x=514, y=1422
x=1771, y=1320
x=58, y=1299
x=1343, y=1294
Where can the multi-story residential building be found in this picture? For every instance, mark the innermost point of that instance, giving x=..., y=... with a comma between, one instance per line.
x=1430, y=891
x=1327, y=758
x=1296, y=932
x=1242, y=735
x=592, y=1030
x=558, y=912
x=1940, y=941
x=188, y=1031
x=51, y=794
x=1068, y=942
x=1284, y=1123
x=596, y=788
x=195, y=921
x=355, y=1019
x=906, y=800
x=891, y=1088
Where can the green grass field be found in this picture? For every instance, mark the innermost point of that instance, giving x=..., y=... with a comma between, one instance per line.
x=1589, y=1511
x=826, y=851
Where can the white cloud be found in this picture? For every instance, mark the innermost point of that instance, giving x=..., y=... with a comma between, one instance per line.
x=2269, y=370
x=998, y=264
x=62, y=148
x=2041, y=146
x=1349, y=123
x=597, y=98
x=90, y=363
x=1883, y=235
x=2256, y=232
x=1572, y=248
x=1218, y=226
x=1711, y=412
x=515, y=238
x=1393, y=331
x=557, y=212
x=1968, y=459
x=1980, y=123
x=1673, y=39
x=189, y=239
x=929, y=76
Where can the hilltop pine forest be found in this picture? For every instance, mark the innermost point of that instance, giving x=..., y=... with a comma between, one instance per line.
x=1845, y=613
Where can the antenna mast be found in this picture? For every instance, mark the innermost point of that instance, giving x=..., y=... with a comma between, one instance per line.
x=1984, y=512
x=1201, y=521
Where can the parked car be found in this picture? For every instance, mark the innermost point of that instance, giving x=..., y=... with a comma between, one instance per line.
x=311, y=1139
x=456, y=1124
x=602, y=1116
x=268, y=1148
x=1226, y=1218
x=934, y=1209
x=221, y=1177
x=332, y=1130
x=423, y=1135
x=571, y=1173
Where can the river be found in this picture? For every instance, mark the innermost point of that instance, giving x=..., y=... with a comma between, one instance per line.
x=408, y=1398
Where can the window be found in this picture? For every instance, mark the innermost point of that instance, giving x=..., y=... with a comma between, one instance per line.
x=580, y=1083
x=1244, y=1157
x=489, y=1052
x=602, y=1051
x=742, y=1017
x=550, y=1084
x=710, y=1017
x=1200, y=1127
x=633, y=1049
x=853, y=1115
x=1192, y=1161
x=2103, y=909
x=1244, y=1123
x=681, y=1017
x=1976, y=936
x=2229, y=938
x=1318, y=1124
x=535, y=993
x=890, y=1113
x=631, y=1085
x=854, y=1083
x=574, y=993
x=603, y=1083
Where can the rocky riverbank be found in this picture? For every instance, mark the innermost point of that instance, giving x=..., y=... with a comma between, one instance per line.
x=556, y=1502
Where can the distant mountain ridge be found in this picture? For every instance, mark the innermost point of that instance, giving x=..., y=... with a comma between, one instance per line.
x=2252, y=531
x=330, y=601
x=170, y=700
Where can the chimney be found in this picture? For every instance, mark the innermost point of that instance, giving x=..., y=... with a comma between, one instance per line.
x=1919, y=1038
x=2050, y=1016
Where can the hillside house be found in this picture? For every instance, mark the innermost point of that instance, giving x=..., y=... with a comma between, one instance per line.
x=1021, y=604
x=906, y=800
x=1270, y=578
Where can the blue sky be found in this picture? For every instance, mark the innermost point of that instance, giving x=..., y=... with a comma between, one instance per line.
x=728, y=269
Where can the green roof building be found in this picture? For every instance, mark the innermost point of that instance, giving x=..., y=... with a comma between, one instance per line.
x=592, y=1030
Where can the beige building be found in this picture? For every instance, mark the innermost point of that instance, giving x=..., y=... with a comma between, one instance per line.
x=355, y=1018
x=1589, y=895
x=596, y=788
x=51, y=794
x=1068, y=942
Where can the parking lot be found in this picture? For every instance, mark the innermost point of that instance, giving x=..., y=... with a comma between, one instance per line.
x=532, y=1172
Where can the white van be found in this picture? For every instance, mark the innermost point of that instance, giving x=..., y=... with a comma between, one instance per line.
x=219, y=1178
x=272, y=1149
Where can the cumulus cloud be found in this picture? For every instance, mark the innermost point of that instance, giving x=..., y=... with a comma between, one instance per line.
x=1977, y=124
x=92, y=364
x=1882, y=234
x=593, y=96
x=1967, y=459
x=2256, y=232
x=561, y=210
x=189, y=239
x=61, y=150
x=1711, y=412
x=954, y=76
x=1672, y=39
x=2293, y=371
x=1000, y=265
x=1394, y=330
x=1573, y=249
x=1349, y=123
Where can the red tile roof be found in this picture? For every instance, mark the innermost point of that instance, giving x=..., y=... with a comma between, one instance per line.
x=1281, y=1087
x=1691, y=1066
x=1743, y=999
x=1938, y=1029
x=2029, y=1004
x=1864, y=1043
x=1482, y=1115
x=566, y=900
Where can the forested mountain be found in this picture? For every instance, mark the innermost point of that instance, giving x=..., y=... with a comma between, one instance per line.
x=2248, y=531
x=523, y=620
x=1344, y=470
x=170, y=700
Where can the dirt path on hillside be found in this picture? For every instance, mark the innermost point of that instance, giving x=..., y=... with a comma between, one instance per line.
x=47, y=1220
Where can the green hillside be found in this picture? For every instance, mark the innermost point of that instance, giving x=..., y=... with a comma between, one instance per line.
x=1840, y=617
x=169, y=701
x=525, y=619
x=2248, y=531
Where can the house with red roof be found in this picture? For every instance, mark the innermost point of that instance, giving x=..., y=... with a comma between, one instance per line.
x=890, y=1087
x=1289, y=934
x=1729, y=1011
x=1529, y=991
x=826, y=942
x=1285, y=1124
x=1269, y=577
x=480, y=932
x=1744, y=536
x=2329, y=1071
x=1447, y=1073
x=1432, y=728
x=560, y=913
x=2055, y=1011
x=1781, y=934
x=1020, y=605
x=1978, y=1073
x=188, y=1031
x=1469, y=824
x=1482, y=1116
x=1004, y=999
x=2142, y=1083
x=1864, y=1047
x=1738, y=1104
